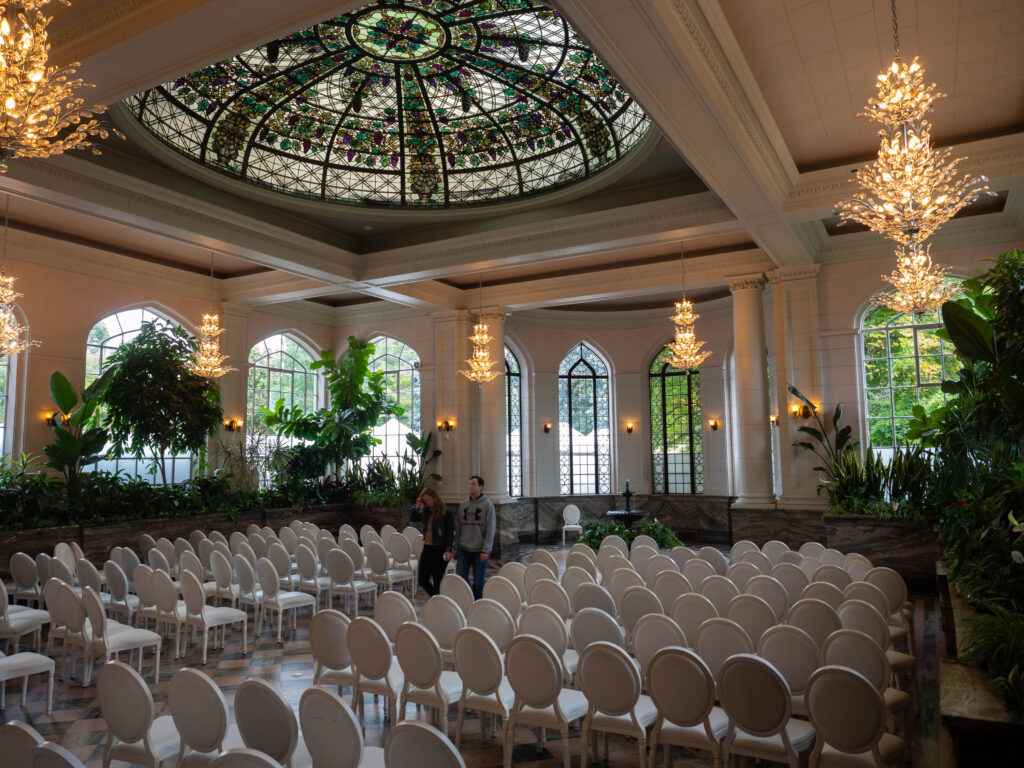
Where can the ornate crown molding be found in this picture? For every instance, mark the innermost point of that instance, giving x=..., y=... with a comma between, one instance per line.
x=747, y=283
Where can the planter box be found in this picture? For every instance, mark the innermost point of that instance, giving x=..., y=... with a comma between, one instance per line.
x=908, y=547
x=96, y=540
x=792, y=526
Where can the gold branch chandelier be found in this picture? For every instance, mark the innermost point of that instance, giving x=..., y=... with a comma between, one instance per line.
x=42, y=116
x=480, y=363
x=687, y=351
x=11, y=331
x=208, y=361
x=912, y=189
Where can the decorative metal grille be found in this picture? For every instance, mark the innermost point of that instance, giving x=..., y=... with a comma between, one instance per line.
x=584, y=436
x=104, y=338
x=677, y=439
x=279, y=369
x=905, y=363
x=420, y=103
x=400, y=365
x=513, y=424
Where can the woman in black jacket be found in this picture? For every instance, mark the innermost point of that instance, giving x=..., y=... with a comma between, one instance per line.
x=438, y=530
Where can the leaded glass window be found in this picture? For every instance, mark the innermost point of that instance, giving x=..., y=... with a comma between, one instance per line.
x=400, y=365
x=584, y=436
x=677, y=442
x=419, y=103
x=5, y=382
x=279, y=368
x=905, y=363
x=104, y=338
x=513, y=424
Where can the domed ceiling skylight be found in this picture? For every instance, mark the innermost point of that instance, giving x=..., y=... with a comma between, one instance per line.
x=415, y=103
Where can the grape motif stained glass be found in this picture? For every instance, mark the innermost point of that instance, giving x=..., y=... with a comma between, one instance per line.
x=419, y=103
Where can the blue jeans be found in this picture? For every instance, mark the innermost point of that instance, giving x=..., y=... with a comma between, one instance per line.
x=465, y=560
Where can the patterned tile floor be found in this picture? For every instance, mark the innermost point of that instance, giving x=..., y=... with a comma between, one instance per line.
x=76, y=721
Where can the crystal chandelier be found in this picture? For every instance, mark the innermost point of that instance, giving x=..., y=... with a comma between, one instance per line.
x=480, y=363
x=208, y=361
x=42, y=116
x=912, y=189
x=11, y=332
x=687, y=353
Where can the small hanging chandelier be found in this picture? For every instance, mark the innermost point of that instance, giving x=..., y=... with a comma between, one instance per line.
x=480, y=363
x=687, y=353
x=12, y=334
x=208, y=361
x=42, y=116
x=912, y=189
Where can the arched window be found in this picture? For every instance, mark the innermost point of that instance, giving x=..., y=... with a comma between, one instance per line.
x=5, y=383
x=677, y=443
x=104, y=338
x=279, y=368
x=905, y=363
x=513, y=424
x=401, y=367
x=584, y=437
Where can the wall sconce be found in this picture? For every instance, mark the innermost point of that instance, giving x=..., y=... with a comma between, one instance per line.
x=547, y=427
x=446, y=425
x=800, y=411
x=774, y=420
x=629, y=427
x=51, y=419
x=713, y=423
x=233, y=425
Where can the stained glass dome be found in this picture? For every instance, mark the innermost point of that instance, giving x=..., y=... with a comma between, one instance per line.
x=414, y=103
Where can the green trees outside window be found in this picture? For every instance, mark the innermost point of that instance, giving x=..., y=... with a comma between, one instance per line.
x=677, y=440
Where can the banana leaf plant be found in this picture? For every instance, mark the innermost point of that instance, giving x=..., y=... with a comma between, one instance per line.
x=76, y=443
x=829, y=445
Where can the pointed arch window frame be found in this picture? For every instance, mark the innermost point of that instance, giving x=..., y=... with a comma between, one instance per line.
x=601, y=478
x=411, y=421
x=253, y=418
x=660, y=373
x=513, y=423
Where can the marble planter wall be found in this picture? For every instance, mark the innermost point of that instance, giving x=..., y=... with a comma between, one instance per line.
x=793, y=526
x=908, y=547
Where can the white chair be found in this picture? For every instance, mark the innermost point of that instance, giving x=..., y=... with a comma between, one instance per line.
x=537, y=572
x=795, y=654
x=696, y=570
x=355, y=552
x=611, y=682
x=584, y=550
x=23, y=665
x=170, y=611
x=740, y=573
x=640, y=557
x=683, y=690
x=214, y=536
x=376, y=669
x=343, y=580
x=541, y=701
x=811, y=549
x=491, y=617
x=857, y=566
x=717, y=560
x=331, y=732
x=869, y=593
x=833, y=557
x=753, y=614
x=720, y=591
x=142, y=580
x=792, y=578
x=267, y=723
x=444, y=619
x=89, y=576
x=616, y=541
x=814, y=617
x=570, y=521
x=543, y=622
x=188, y=561
x=637, y=603
x=202, y=617
x=612, y=563
x=50, y=755
x=400, y=550
x=310, y=579
x=26, y=579
x=481, y=668
x=16, y=624
x=652, y=633
x=591, y=625
x=425, y=681
x=328, y=639
x=225, y=586
x=592, y=596
x=771, y=590
x=550, y=593
x=457, y=589
x=43, y=562
x=833, y=574
x=757, y=559
x=391, y=611
x=658, y=564
x=571, y=578
x=691, y=610
x=413, y=744
x=718, y=639
x=516, y=573
x=668, y=586
x=166, y=548
x=895, y=589
x=133, y=734
x=849, y=716
x=682, y=555
x=774, y=550
x=504, y=591
x=824, y=591
x=809, y=565
x=18, y=742
x=120, y=597
x=756, y=698
x=200, y=713
x=859, y=615
x=794, y=558
x=104, y=641
x=740, y=548
x=274, y=599
x=380, y=570
x=282, y=559
x=545, y=558
x=620, y=581
x=249, y=590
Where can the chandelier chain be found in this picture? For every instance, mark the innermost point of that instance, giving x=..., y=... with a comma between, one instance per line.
x=895, y=30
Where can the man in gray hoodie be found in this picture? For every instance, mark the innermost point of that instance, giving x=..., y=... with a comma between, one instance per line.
x=474, y=535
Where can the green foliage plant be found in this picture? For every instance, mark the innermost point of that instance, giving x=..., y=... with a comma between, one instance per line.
x=595, y=532
x=77, y=443
x=27, y=494
x=154, y=402
x=828, y=446
x=994, y=641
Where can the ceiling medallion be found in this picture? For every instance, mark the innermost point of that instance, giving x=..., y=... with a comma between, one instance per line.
x=42, y=116
x=411, y=103
x=912, y=189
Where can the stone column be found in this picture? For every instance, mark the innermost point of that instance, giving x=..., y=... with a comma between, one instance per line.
x=455, y=399
x=491, y=423
x=752, y=428
x=797, y=362
x=234, y=385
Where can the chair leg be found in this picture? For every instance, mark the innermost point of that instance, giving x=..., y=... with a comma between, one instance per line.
x=206, y=640
x=245, y=635
x=565, y=746
x=458, y=723
x=280, y=618
x=508, y=739
x=584, y=744
x=49, y=693
x=156, y=668
x=642, y=747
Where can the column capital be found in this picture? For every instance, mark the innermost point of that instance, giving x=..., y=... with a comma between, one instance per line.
x=787, y=274
x=754, y=282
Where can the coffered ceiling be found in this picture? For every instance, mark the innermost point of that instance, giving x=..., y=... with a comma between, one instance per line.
x=755, y=102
